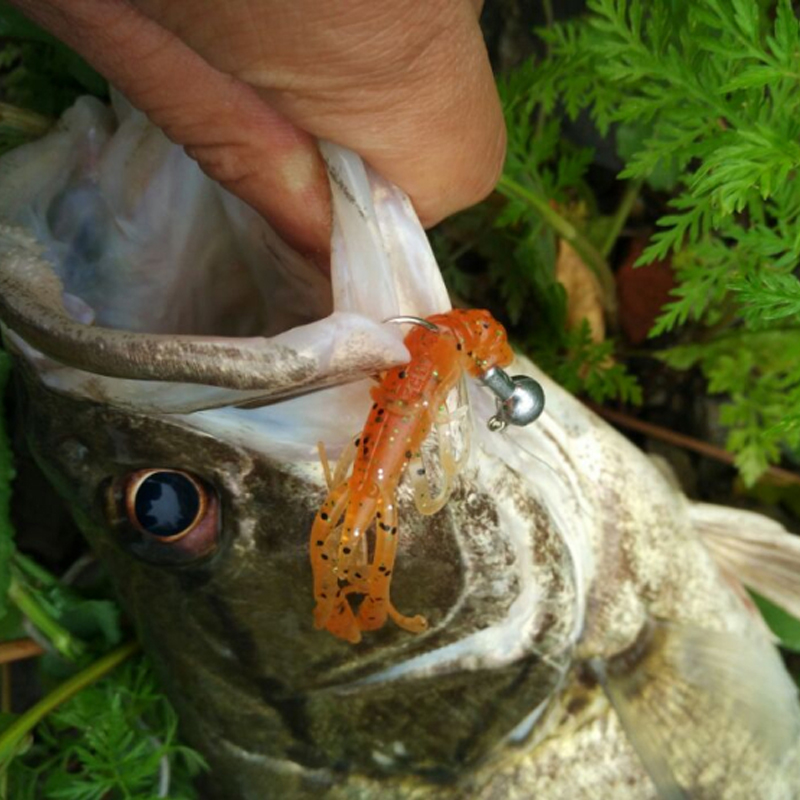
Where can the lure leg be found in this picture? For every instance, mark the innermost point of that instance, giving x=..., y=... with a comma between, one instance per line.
x=324, y=545
x=426, y=502
x=323, y=549
x=345, y=461
x=374, y=608
x=377, y=605
x=452, y=457
x=326, y=466
x=342, y=621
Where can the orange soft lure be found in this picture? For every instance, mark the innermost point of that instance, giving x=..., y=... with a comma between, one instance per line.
x=354, y=536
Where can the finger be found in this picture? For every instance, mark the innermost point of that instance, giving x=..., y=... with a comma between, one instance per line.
x=406, y=85
x=235, y=136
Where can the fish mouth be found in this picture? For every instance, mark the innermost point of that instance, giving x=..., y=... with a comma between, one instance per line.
x=130, y=279
x=121, y=262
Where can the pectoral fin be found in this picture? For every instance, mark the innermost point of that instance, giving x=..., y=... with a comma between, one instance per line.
x=760, y=552
x=713, y=716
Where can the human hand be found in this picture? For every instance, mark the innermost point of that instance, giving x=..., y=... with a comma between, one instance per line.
x=245, y=86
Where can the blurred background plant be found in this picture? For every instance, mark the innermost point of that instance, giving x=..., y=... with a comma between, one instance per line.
x=40, y=79
x=661, y=135
x=700, y=102
x=643, y=242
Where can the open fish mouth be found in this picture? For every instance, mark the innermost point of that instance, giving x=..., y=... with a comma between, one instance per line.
x=130, y=279
x=144, y=269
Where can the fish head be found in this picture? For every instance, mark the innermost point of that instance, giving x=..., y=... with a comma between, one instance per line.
x=177, y=374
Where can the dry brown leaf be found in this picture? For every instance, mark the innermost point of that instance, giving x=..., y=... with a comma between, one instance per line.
x=642, y=292
x=584, y=294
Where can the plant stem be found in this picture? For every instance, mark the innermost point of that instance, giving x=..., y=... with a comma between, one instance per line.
x=22, y=726
x=621, y=215
x=20, y=120
x=567, y=231
x=33, y=570
x=779, y=476
x=63, y=641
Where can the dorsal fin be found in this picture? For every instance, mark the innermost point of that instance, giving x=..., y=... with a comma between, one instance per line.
x=760, y=552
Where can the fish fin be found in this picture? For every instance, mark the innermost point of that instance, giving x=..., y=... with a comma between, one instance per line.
x=760, y=552
x=704, y=710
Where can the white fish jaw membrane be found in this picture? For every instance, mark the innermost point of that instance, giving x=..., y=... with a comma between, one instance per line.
x=204, y=303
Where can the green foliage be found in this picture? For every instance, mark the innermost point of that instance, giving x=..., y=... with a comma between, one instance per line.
x=591, y=370
x=39, y=74
x=115, y=739
x=77, y=625
x=761, y=376
x=767, y=297
x=783, y=625
x=504, y=255
x=704, y=96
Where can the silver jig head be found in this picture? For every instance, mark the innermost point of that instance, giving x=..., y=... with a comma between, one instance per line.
x=520, y=399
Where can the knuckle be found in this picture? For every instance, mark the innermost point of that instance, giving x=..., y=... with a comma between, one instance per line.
x=230, y=163
x=491, y=166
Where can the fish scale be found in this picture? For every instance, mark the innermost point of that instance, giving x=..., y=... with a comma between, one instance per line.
x=587, y=637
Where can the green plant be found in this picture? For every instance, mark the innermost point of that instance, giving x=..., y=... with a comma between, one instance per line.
x=546, y=199
x=703, y=97
x=127, y=745
x=39, y=78
x=703, y=100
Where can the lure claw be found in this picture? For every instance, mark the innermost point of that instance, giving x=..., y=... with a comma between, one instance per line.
x=520, y=398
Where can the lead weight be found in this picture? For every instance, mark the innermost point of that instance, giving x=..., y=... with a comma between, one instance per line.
x=520, y=398
x=499, y=383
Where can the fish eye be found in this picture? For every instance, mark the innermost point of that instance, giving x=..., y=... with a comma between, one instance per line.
x=165, y=516
x=165, y=503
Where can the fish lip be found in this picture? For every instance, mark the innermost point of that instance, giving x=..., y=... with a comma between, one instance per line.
x=423, y=666
x=32, y=305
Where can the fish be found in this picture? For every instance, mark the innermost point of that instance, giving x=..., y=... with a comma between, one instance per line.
x=588, y=631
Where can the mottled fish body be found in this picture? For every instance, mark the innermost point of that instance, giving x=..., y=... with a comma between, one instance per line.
x=588, y=636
